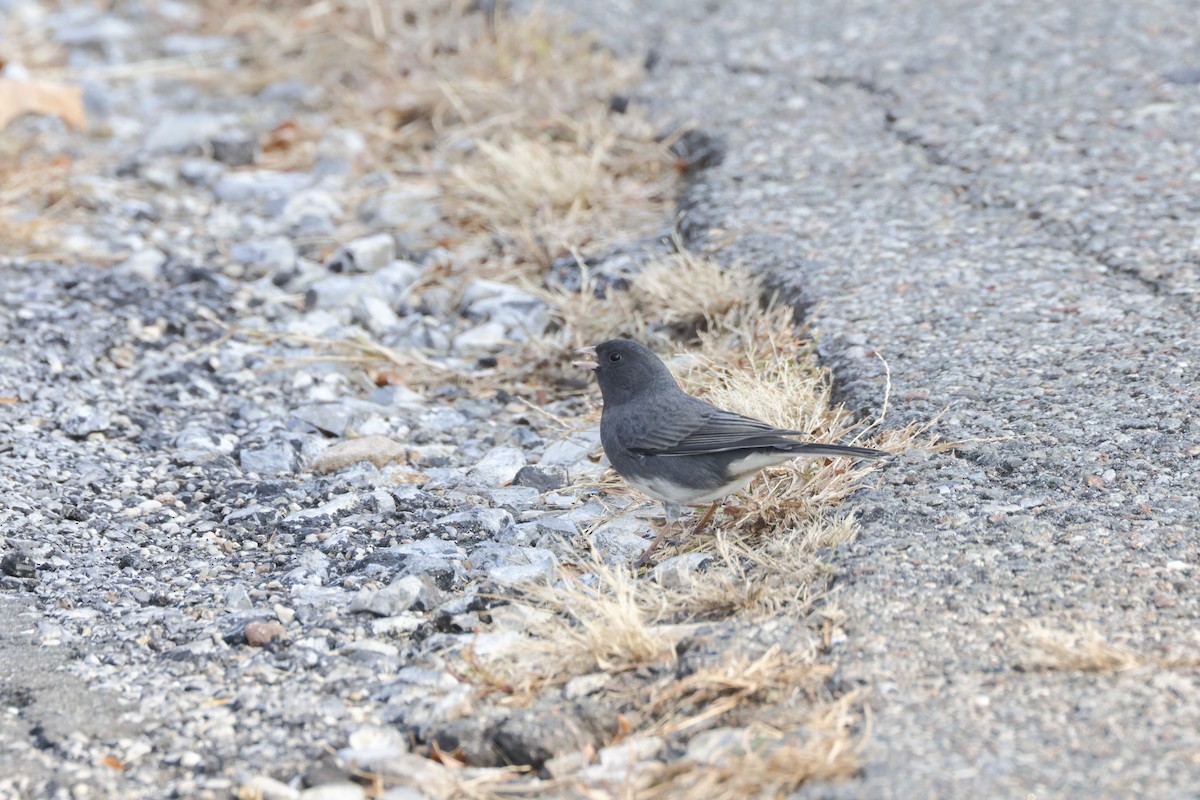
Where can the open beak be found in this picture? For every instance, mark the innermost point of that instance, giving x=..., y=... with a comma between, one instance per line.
x=591, y=363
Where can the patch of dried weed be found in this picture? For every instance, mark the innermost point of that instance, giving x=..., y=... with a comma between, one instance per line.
x=1087, y=650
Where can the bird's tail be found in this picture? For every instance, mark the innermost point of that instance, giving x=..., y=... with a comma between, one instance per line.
x=835, y=450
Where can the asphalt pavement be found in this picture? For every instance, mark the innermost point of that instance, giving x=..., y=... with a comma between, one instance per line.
x=998, y=201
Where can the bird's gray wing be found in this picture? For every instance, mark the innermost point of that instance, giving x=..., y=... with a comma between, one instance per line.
x=707, y=430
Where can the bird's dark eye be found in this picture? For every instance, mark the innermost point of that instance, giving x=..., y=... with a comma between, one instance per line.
x=614, y=357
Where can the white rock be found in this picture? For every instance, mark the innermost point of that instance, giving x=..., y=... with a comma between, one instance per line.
x=484, y=337
x=583, y=685
x=316, y=203
x=498, y=466
x=631, y=751
x=344, y=143
x=367, y=254
x=334, y=791
x=144, y=264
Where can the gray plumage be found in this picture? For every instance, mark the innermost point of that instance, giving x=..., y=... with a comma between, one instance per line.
x=678, y=448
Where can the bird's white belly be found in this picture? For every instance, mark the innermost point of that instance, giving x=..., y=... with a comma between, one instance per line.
x=743, y=471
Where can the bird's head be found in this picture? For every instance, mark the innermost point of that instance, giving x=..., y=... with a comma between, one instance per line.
x=625, y=369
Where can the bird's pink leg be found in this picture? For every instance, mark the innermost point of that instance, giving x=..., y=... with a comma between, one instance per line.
x=644, y=558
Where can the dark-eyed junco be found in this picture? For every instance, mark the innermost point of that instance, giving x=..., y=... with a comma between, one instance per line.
x=678, y=448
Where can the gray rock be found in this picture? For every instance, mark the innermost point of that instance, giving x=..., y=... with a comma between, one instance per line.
x=405, y=793
x=374, y=749
x=510, y=565
x=335, y=419
x=238, y=598
x=396, y=396
x=200, y=172
x=412, y=210
x=544, y=478
x=498, y=466
x=312, y=567
x=288, y=91
x=260, y=186
x=254, y=515
x=401, y=595
x=488, y=299
x=195, y=445
x=475, y=523
x=84, y=420
x=534, y=735
x=548, y=532
x=277, y=253
x=571, y=451
x=85, y=27
x=321, y=516
x=234, y=147
x=145, y=263
x=269, y=789
x=512, y=309
x=379, y=655
x=621, y=540
x=588, y=512
x=275, y=458
x=583, y=685
x=631, y=751
x=679, y=572
x=390, y=285
x=517, y=499
x=523, y=574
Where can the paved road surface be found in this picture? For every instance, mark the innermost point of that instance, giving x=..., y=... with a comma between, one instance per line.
x=1001, y=200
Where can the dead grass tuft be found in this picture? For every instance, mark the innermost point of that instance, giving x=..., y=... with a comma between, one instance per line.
x=771, y=679
x=772, y=763
x=35, y=190
x=572, y=185
x=1087, y=650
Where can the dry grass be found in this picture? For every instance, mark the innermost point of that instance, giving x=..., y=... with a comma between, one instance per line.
x=1087, y=650
x=35, y=189
x=509, y=114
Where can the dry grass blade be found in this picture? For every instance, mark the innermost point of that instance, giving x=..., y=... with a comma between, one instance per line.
x=610, y=626
x=710, y=693
x=1086, y=651
x=770, y=763
x=573, y=184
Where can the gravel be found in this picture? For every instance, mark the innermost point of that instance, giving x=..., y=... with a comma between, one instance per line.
x=226, y=566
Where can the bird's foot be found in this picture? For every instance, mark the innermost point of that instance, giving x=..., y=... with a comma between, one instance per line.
x=644, y=558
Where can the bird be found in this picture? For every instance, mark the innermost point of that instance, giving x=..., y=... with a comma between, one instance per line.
x=677, y=448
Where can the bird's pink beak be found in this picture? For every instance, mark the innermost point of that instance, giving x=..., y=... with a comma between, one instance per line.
x=591, y=363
